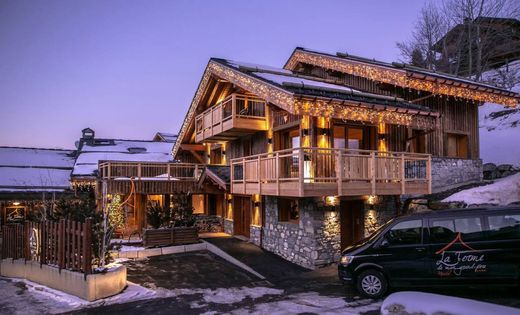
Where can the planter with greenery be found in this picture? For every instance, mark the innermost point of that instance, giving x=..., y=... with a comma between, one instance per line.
x=171, y=226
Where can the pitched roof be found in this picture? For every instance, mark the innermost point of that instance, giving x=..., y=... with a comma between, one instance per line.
x=35, y=169
x=314, y=87
x=404, y=75
x=291, y=91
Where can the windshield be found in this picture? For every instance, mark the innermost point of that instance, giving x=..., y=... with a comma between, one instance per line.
x=375, y=234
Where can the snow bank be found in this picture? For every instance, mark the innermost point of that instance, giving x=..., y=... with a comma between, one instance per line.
x=502, y=192
x=428, y=303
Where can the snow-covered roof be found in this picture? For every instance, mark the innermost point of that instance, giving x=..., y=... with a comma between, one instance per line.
x=119, y=150
x=314, y=86
x=32, y=169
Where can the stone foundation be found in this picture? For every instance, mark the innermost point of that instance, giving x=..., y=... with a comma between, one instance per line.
x=228, y=226
x=384, y=209
x=313, y=241
x=255, y=235
x=449, y=173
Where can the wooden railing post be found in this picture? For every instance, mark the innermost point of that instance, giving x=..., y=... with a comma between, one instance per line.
x=139, y=171
x=373, y=172
x=233, y=105
x=258, y=177
x=168, y=170
x=277, y=173
x=232, y=174
x=109, y=171
x=62, y=245
x=301, y=170
x=402, y=174
x=339, y=171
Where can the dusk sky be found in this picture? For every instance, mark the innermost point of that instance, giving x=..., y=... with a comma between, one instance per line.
x=128, y=69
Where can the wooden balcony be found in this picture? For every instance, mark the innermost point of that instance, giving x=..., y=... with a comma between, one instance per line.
x=314, y=172
x=235, y=116
x=149, y=178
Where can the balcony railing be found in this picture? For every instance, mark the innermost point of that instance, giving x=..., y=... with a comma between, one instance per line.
x=146, y=171
x=149, y=178
x=304, y=172
x=234, y=116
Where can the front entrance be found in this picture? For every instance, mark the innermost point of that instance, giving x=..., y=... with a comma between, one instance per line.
x=352, y=222
x=241, y=215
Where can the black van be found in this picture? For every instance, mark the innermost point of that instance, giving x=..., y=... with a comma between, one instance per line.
x=446, y=247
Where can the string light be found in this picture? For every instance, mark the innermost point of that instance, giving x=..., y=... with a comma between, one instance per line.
x=397, y=77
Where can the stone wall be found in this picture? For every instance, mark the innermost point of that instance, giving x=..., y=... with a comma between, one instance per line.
x=228, y=226
x=384, y=209
x=208, y=223
x=313, y=241
x=448, y=173
x=255, y=233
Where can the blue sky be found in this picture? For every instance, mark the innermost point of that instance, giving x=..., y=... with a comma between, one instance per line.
x=130, y=68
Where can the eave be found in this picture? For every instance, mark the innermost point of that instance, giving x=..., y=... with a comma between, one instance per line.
x=405, y=77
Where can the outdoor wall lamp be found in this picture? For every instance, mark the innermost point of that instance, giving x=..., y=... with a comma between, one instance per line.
x=269, y=140
x=223, y=152
x=325, y=132
x=257, y=204
x=381, y=136
x=305, y=132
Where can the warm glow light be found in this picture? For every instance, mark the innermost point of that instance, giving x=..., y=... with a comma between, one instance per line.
x=331, y=201
x=372, y=200
x=16, y=203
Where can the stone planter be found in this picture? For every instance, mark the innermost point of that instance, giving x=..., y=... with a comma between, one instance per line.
x=91, y=287
x=170, y=236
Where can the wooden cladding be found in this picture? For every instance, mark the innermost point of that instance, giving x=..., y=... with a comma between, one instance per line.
x=234, y=116
x=66, y=244
x=313, y=172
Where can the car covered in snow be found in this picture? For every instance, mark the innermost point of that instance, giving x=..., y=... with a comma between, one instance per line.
x=472, y=246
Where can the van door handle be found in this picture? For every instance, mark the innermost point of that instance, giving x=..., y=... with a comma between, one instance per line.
x=420, y=249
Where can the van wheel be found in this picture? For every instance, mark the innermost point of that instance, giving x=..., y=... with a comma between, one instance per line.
x=372, y=284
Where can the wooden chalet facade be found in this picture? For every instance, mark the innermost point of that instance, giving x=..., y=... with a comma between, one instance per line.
x=308, y=159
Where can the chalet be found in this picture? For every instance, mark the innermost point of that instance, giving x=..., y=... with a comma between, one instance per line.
x=307, y=159
x=30, y=179
x=499, y=39
x=93, y=152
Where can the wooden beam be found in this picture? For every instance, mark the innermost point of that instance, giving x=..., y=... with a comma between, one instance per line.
x=198, y=157
x=193, y=147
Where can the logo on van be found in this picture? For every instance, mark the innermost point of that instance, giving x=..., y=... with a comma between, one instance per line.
x=455, y=262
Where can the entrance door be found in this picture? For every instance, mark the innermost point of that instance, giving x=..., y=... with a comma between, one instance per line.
x=242, y=215
x=352, y=222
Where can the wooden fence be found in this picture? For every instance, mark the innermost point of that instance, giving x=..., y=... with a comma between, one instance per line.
x=65, y=244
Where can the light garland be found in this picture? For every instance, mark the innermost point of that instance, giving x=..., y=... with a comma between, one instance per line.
x=396, y=77
x=322, y=108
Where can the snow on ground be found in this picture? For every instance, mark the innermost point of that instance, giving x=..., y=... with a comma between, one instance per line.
x=311, y=302
x=26, y=297
x=429, y=304
x=503, y=191
x=129, y=248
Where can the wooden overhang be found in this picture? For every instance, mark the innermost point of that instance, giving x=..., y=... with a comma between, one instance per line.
x=357, y=106
x=404, y=76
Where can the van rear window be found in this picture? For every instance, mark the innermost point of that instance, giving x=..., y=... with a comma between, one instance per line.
x=504, y=226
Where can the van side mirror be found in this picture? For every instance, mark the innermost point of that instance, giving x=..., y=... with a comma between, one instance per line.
x=384, y=243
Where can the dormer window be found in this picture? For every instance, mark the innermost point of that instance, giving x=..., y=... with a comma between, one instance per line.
x=137, y=150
